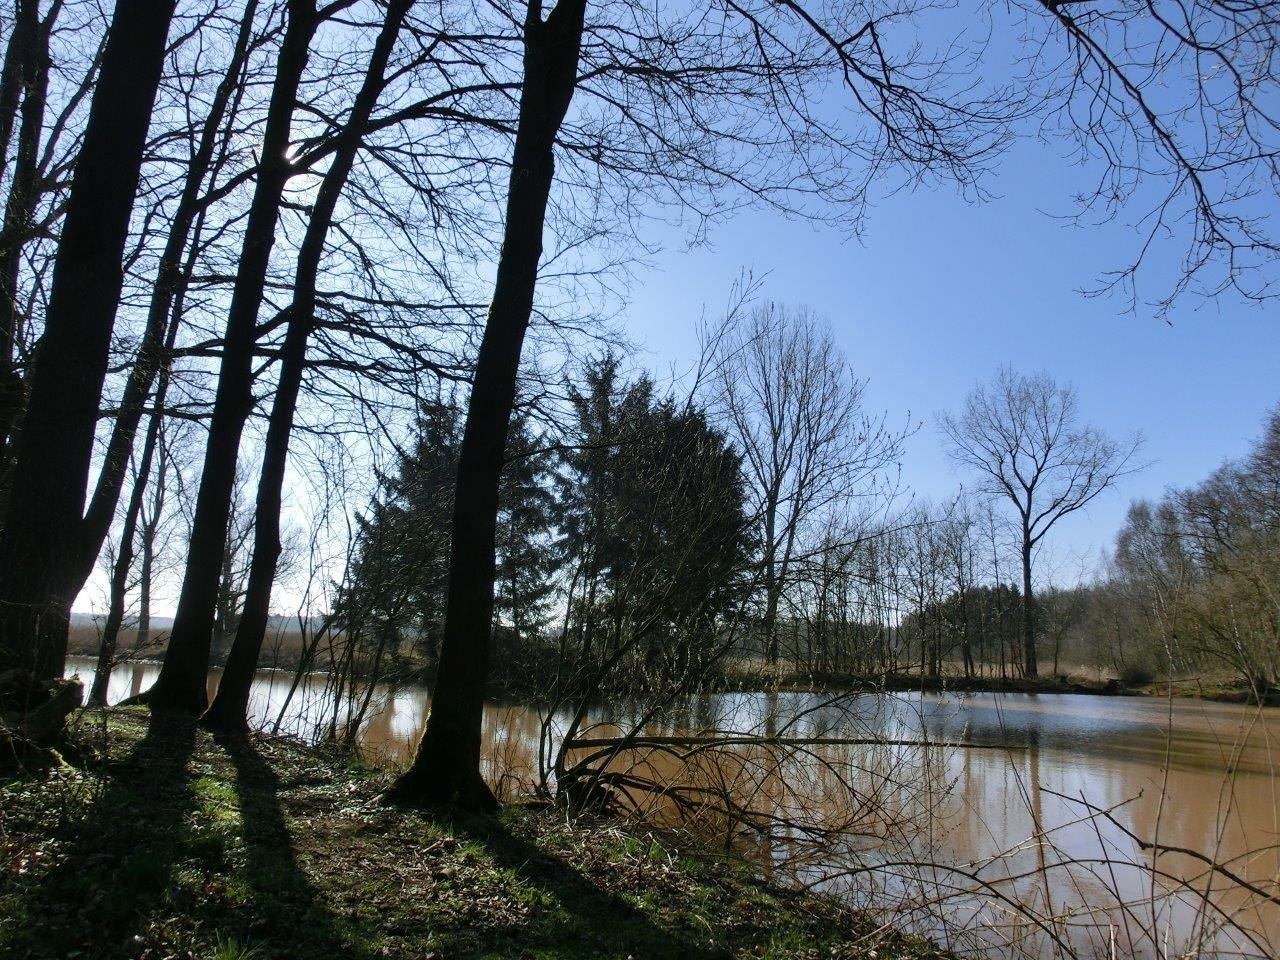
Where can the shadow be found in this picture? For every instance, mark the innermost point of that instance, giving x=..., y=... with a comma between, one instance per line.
x=117, y=858
x=600, y=921
x=284, y=917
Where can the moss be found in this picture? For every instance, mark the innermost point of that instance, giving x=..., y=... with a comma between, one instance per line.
x=174, y=844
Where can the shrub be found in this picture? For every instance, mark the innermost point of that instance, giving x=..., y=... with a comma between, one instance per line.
x=1136, y=675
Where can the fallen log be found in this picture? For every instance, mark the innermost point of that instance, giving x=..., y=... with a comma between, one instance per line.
x=33, y=717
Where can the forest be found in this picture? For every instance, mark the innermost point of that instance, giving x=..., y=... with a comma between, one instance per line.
x=317, y=371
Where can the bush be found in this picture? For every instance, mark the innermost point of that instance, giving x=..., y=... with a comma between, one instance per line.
x=1135, y=675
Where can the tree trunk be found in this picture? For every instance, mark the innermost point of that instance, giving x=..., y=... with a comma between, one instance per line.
x=115, y=614
x=13, y=76
x=771, y=583
x=160, y=331
x=143, y=635
x=229, y=710
x=124, y=562
x=182, y=684
x=26, y=71
x=1028, y=612
x=51, y=470
x=446, y=768
x=133, y=512
x=225, y=621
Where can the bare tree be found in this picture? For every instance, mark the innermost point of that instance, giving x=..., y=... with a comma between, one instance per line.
x=140, y=526
x=181, y=684
x=1022, y=435
x=447, y=765
x=795, y=409
x=167, y=300
x=229, y=708
x=25, y=79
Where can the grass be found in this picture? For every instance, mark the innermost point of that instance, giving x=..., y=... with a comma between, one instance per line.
x=169, y=844
x=1221, y=689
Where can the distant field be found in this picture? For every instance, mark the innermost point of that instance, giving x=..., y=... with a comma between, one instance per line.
x=283, y=647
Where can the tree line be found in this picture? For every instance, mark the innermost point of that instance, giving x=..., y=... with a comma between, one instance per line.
x=618, y=524
x=1191, y=584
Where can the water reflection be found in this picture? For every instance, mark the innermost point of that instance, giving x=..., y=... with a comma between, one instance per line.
x=1189, y=774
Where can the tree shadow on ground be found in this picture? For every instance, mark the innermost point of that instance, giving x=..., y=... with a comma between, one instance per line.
x=283, y=917
x=598, y=921
x=118, y=857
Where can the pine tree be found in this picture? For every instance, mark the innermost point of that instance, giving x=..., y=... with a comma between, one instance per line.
x=397, y=583
x=652, y=508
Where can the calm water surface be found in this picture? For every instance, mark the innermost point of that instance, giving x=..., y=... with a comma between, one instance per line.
x=1189, y=774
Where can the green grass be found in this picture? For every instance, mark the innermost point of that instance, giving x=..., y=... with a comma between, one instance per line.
x=229, y=948
x=173, y=845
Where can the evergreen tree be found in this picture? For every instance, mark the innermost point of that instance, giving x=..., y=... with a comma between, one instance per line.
x=528, y=556
x=396, y=586
x=652, y=509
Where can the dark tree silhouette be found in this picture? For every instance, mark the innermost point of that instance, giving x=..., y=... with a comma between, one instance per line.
x=26, y=80
x=446, y=768
x=46, y=499
x=181, y=684
x=162, y=321
x=228, y=711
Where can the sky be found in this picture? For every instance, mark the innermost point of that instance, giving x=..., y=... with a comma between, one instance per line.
x=939, y=292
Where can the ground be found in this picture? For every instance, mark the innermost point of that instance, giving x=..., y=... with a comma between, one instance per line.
x=164, y=843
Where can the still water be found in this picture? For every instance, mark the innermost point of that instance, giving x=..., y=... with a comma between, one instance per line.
x=998, y=846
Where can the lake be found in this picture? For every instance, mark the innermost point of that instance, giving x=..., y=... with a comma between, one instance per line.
x=1006, y=824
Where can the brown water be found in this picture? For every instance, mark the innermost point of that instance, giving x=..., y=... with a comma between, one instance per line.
x=993, y=822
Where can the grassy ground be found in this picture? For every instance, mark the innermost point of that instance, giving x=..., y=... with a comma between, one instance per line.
x=1218, y=689
x=167, y=844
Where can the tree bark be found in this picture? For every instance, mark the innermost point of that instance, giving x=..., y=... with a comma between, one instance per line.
x=229, y=710
x=446, y=769
x=1028, y=612
x=182, y=683
x=51, y=470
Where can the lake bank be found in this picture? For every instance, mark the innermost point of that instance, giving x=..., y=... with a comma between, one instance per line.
x=170, y=844
x=1212, y=689
x=741, y=678
x=918, y=800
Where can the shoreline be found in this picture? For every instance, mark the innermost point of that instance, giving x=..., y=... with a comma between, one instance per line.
x=1185, y=688
x=1216, y=691
x=166, y=842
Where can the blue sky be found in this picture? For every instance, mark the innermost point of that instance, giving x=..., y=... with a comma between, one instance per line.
x=939, y=292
